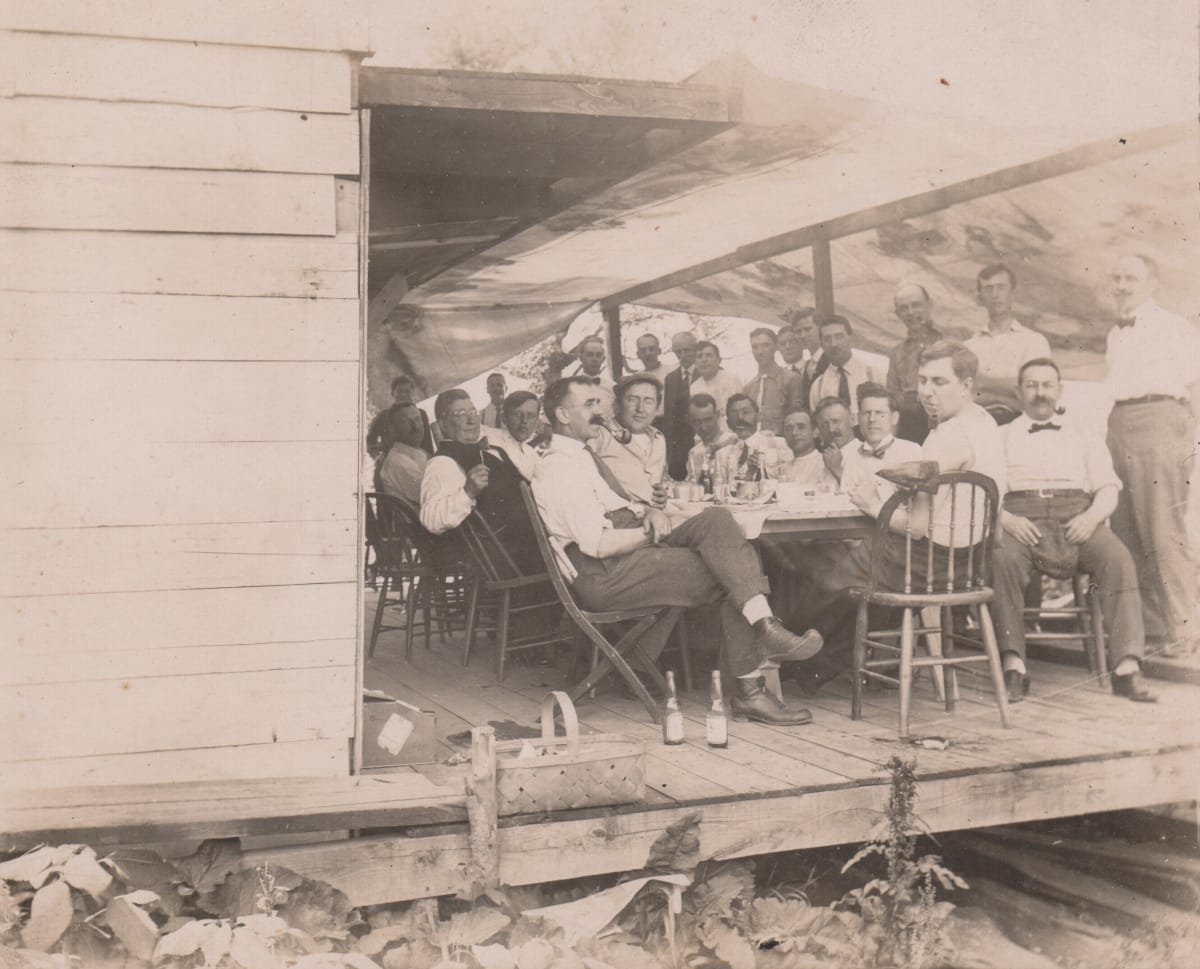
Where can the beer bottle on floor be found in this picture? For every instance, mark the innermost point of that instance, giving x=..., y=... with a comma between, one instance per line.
x=672, y=716
x=716, y=724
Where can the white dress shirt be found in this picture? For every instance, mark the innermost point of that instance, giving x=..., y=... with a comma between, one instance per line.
x=490, y=417
x=401, y=472
x=859, y=463
x=1001, y=355
x=659, y=373
x=638, y=465
x=525, y=458
x=722, y=386
x=1158, y=354
x=775, y=450
x=1064, y=455
x=695, y=461
x=573, y=500
x=810, y=470
x=858, y=372
x=975, y=428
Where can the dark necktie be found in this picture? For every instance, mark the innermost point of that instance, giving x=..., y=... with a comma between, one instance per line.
x=685, y=380
x=843, y=387
x=497, y=418
x=869, y=452
x=610, y=479
x=1048, y=426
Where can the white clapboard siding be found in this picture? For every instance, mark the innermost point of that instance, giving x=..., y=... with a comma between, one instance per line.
x=69, y=132
x=170, y=713
x=144, y=326
x=125, y=402
x=36, y=260
x=305, y=758
x=180, y=72
x=85, y=665
x=91, y=483
x=306, y=24
x=51, y=624
x=55, y=561
x=166, y=200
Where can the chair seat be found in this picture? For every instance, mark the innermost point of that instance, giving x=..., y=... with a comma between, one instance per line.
x=622, y=615
x=920, y=600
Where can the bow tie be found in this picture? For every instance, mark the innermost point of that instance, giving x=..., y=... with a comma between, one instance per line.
x=1048, y=426
x=877, y=452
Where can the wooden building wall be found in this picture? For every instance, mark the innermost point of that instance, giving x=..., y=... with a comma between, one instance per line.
x=180, y=389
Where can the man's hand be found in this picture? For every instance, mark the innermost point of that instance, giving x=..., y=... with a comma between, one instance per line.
x=833, y=461
x=659, y=525
x=659, y=495
x=1021, y=528
x=866, y=496
x=477, y=480
x=1082, y=527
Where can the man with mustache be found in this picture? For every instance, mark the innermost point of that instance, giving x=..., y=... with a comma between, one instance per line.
x=841, y=370
x=1154, y=380
x=740, y=461
x=619, y=553
x=836, y=428
x=1060, y=476
x=639, y=464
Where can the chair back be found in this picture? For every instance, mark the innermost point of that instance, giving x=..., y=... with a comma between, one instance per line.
x=388, y=531
x=549, y=556
x=950, y=548
x=490, y=556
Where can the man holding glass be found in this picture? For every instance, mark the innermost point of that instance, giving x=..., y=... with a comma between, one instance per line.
x=639, y=464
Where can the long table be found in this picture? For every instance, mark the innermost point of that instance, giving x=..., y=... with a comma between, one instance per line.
x=814, y=525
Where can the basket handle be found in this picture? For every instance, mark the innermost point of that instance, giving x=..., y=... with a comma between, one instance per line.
x=570, y=721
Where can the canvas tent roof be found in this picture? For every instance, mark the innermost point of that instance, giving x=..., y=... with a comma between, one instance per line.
x=729, y=217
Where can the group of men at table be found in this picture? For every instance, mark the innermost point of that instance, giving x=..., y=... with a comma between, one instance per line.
x=597, y=455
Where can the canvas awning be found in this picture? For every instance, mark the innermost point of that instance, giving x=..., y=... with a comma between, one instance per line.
x=722, y=228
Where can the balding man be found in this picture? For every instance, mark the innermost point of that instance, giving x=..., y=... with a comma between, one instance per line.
x=915, y=310
x=1154, y=381
x=677, y=391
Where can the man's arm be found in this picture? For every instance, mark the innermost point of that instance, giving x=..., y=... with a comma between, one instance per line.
x=445, y=501
x=1080, y=528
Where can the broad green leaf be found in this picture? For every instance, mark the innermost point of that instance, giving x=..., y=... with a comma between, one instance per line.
x=212, y=861
x=535, y=954
x=319, y=909
x=189, y=938
x=133, y=927
x=141, y=897
x=84, y=872
x=141, y=868
x=49, y=916
x=376, y=941
x=469, y=928
x=735, y=950
x=30, y=867
x=250, y=950
x=678, y=847
x=494, y=956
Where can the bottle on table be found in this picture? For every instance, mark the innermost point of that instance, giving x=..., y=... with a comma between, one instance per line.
x=672, y=715
x=716, y=723
x=705, y=478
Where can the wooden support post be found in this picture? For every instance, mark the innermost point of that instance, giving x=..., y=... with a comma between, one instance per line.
x=822, y=279
x=482, y=809
x=616, y=361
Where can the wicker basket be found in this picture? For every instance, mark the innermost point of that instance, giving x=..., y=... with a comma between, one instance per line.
x=576, y=771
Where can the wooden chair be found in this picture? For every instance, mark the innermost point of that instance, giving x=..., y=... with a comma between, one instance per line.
x=398, y=565
x=443, y=587
x=611, y=656
x=492, y=590
x=951, y=580
x=1089, y=625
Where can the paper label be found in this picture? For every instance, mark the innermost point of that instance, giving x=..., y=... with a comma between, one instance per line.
x=395, y=733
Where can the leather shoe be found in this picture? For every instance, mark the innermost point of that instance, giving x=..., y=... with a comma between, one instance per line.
x=1016, y=685
x=1133, y=688
x=777, y=644
x=751, y=701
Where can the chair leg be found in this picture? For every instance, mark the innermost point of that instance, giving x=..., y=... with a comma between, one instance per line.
x=988, y=633
x=1082, y=603
x=375, y=626
x=425, y=597
x=947, y=620
x=906, y=669
x=472, y=619
x=685, y=650
x=410, y=614
x=1100, y=637
x=856, y=663
x=933, y=645
x=502, y=632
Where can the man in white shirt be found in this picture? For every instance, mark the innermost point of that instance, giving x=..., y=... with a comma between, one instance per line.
x=469, y=474
x=648, y=352
x=1003, y=345
x=1060, y=476
x=592, y=356
x=492, y=414
x=712, y=379
x=754, y=453
x=703, y=417
x=878, y=418
x=836, y=429
x=840, y=371
x=774, y=390
x=807, y=466
x=403, y=466
x=1154, y=381
x=618, y=553
x=639, y=464
x=520, y=417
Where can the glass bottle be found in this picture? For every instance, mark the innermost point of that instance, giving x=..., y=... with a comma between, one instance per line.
x=705, y=480
x=716, y=724
x=672, y=716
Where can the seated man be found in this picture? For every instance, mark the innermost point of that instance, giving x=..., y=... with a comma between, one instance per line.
x=469, y=473
x=618, y=553
x=520, y=415
x=740, y=460
x=807, y=466
x=403, y=466
x=836, y=428
x=878, y=417
x=640, y=463
x=1058, y=473
x=710, y=438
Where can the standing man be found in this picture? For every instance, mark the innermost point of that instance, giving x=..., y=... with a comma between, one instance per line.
x=492, y=414
x=1061, y=491
x=710, y=438
x=592, y=356
x=648, y=351
x=914, y=308
x=740, y=461
x=774, y=390
x=1003, y=346
x=878, y=417
x=1153, y=367
x=840, y=371
x=807, y=467
x=640, y=463
x=622, y=554
x=677, y=392
x=520, y=415
x=713, y=379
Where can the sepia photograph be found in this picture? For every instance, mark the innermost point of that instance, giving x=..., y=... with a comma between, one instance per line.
x=600, y=485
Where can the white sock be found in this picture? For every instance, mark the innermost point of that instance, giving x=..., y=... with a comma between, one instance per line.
x=1013, y=662
x=1127, y=667
x=756, y=608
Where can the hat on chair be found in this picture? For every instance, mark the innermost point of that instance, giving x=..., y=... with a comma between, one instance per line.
x=1053, y=555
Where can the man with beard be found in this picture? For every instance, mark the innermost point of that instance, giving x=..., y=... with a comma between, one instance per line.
x=710, y=438
x=639, y=464
x=618, y=553
x=467, y=474
x=677, y=392
x=914, y=308
x=1061, y=481
x=774, y=390
x=836, y=429
x=807, y=466
x=1154, y=380
x=841, y=370
x=754, y=453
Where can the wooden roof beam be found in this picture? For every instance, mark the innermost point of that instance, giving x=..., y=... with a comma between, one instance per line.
x=1051, y=166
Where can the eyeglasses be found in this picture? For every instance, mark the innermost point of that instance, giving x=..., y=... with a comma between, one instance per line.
x=459, y=415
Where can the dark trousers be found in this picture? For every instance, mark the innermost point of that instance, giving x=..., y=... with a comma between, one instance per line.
x=1103, y=557
x=1151, y=447
x=704, y=560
